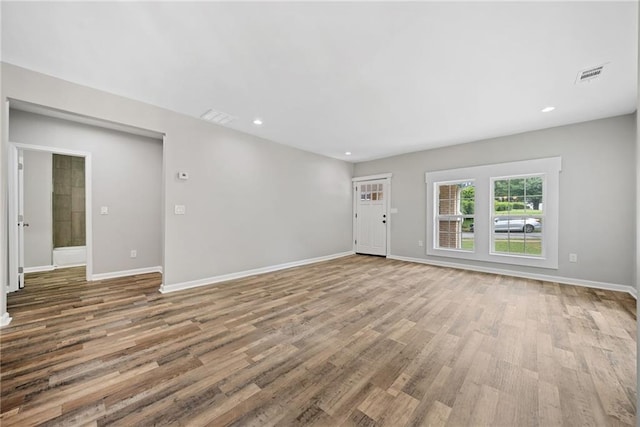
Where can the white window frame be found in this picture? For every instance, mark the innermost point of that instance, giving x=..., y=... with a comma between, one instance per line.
x=542, y=216
x=483, y=177
x=459, y=217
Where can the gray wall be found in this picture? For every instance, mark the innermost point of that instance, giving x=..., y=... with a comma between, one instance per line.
x=597, y=193
x=38, y=236
x=250, y=203
x=126, y=177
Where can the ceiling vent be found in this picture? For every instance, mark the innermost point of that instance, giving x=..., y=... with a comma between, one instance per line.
x=218, y=117
x=589, y=74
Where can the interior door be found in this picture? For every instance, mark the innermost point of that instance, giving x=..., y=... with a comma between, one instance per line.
x=20, y=223
x=371, y=217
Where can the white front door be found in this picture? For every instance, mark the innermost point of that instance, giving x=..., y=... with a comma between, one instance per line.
x=371, y=217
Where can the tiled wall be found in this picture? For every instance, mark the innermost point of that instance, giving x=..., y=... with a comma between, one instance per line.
x=68, y=201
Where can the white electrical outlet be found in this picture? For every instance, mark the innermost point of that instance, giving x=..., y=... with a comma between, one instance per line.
x=104, y=210
x=420, y=243
x=180, y=209
x=134, y=253
x=573, y=257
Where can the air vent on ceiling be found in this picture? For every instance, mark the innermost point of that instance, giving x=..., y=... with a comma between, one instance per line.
x=589, y=74
x=218, y=117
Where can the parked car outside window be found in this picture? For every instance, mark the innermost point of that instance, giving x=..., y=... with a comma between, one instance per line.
x=514, y=224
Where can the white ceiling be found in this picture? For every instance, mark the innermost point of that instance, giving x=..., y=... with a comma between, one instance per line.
x=375, y=79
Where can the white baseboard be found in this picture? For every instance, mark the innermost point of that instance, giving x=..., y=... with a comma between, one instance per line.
x=40, y=268
x=543, y=277
x=231, y=276
x=70, y=256
x=83, y=264
x=5, y=320
x=125, y=273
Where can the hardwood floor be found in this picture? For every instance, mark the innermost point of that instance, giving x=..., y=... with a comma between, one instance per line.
x=356, y=341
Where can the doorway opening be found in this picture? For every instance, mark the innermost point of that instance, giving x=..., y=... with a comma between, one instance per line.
x=54, y=219
x=68, y=213
x=126, y=242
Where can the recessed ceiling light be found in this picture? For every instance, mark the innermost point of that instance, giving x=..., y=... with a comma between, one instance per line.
x=257, y=122
x=547, y=109
x=347, y=153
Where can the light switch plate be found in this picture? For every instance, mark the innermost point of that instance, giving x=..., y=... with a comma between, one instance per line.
x=180, y=209
x=104, y=210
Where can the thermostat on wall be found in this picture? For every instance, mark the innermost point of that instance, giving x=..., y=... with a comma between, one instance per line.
x=183, y=175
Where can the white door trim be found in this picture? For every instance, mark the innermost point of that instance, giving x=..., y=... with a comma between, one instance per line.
x=372, y=177
x=20, y=218
x=387, y=177
x=12, y=216
x=14, y=147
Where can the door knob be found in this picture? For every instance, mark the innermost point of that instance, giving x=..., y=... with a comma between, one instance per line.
x=26, y=224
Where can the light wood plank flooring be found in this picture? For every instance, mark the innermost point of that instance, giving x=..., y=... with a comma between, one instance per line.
x=357, y=341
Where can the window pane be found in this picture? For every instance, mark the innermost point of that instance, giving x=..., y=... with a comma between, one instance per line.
x=501, y=189
x=455, y=210
x=500, y=206
x=533, y=195
x=467, y=207
x=533, y=185
x=516, y=189
x=467, y=238
x=517, y=196
x=467, y=198
x=501, y=197
x=533, y=240
x=517, y=235
x=447, y=199
x=452, y=236
x=447, y=207
x=533, y=204
x=449, y=234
